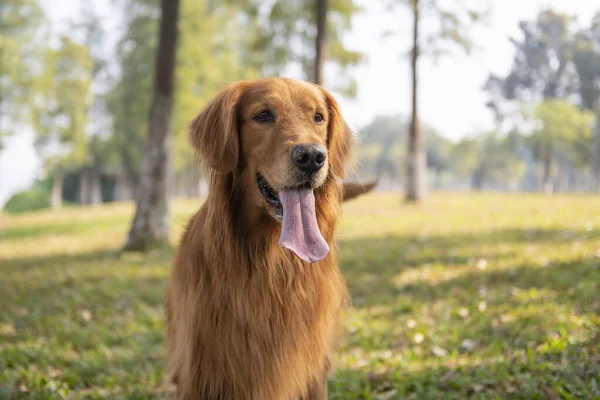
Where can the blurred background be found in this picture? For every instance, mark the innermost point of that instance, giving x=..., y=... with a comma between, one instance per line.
x=491, y=294
x=493, y=79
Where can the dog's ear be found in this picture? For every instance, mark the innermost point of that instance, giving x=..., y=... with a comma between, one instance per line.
x=340, y=139
x=214, y=132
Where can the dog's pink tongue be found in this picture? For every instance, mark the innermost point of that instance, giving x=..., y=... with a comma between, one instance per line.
x=300, y=232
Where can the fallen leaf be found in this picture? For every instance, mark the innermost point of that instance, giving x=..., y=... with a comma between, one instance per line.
x=23, y=388
x=387, y=395
x=439, y=351
x=86, y=315
x=476, y=388
x=55, y=373
x=509, y=388
x=419, y=337
x=482, y=306
x=482, y=264
x=468, y=344
x=463, y=312
x=505, y=318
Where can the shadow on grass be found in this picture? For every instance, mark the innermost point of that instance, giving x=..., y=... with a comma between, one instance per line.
x=533, y=374
x=119, y=340
x=370, y=264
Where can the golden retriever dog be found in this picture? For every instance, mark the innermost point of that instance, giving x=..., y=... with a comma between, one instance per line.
x=255, y=292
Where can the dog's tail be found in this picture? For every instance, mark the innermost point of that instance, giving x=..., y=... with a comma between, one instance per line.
x=352, y=189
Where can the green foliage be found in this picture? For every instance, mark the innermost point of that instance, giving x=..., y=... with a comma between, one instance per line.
x=563, y=126
x=542, y=64
x=20, y=20
x=220, y=42
x=284, y=34
x=201, y=74
x=452, y=23
x=60, y=111
x=586, y=57
x=129, y=100
x=488, y=158
x=383, y=147
x=35, y=198
x=467, y=296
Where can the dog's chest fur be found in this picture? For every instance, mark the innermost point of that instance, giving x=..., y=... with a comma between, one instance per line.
x=261, y=324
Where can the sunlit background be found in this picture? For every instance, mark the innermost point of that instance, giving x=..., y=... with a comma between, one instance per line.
x=452, y=97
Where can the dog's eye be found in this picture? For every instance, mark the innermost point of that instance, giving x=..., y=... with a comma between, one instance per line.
x=319, y=118
x=264, y=117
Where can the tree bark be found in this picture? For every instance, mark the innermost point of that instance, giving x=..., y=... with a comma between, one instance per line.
x=57, y=188
x=321, y=40
x=84, y=186
x=547, y=186
x=150, y=227
x=477, y=181
x=95, y=186
x=416, y=159
x=124, y=187
x=596, y=158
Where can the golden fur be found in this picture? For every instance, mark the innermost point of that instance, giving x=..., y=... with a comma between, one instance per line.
x=246, y=319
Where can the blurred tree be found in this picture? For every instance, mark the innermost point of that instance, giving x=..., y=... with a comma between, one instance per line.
x=150, y=226
x=90, y=28
x=383, y=149
x=586, y=57
x=454, y=20
x=200, y=75
x=560, y=125
x=542, y=66
x=20, y=21
x=60, y=110
x=320, y=41
x=488, y=158
x=128, y=102
x=283, y=34
x=464, y=157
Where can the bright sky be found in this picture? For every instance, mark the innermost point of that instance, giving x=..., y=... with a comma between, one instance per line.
x=451, y=98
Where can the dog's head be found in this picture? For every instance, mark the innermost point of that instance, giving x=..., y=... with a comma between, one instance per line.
x=283, y=140
x=282, y=133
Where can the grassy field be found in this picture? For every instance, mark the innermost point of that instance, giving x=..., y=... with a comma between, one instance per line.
x=468, y=296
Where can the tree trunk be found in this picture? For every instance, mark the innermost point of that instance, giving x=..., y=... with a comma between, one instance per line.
x=124, y=187
x=150, y=227
x=596, y=158
x=416, y=159
x=95, y=186
x=84, y=186
x=547, y=186
x=57, y=189
x=321, y=41
x=477, y=181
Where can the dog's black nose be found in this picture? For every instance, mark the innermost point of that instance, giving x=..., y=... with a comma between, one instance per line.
x=309, y=157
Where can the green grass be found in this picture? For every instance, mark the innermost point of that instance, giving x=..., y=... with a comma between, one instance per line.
x=469, y=296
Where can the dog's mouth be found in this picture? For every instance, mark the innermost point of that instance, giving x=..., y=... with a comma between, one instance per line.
x=269, y=194
x=296, y=208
